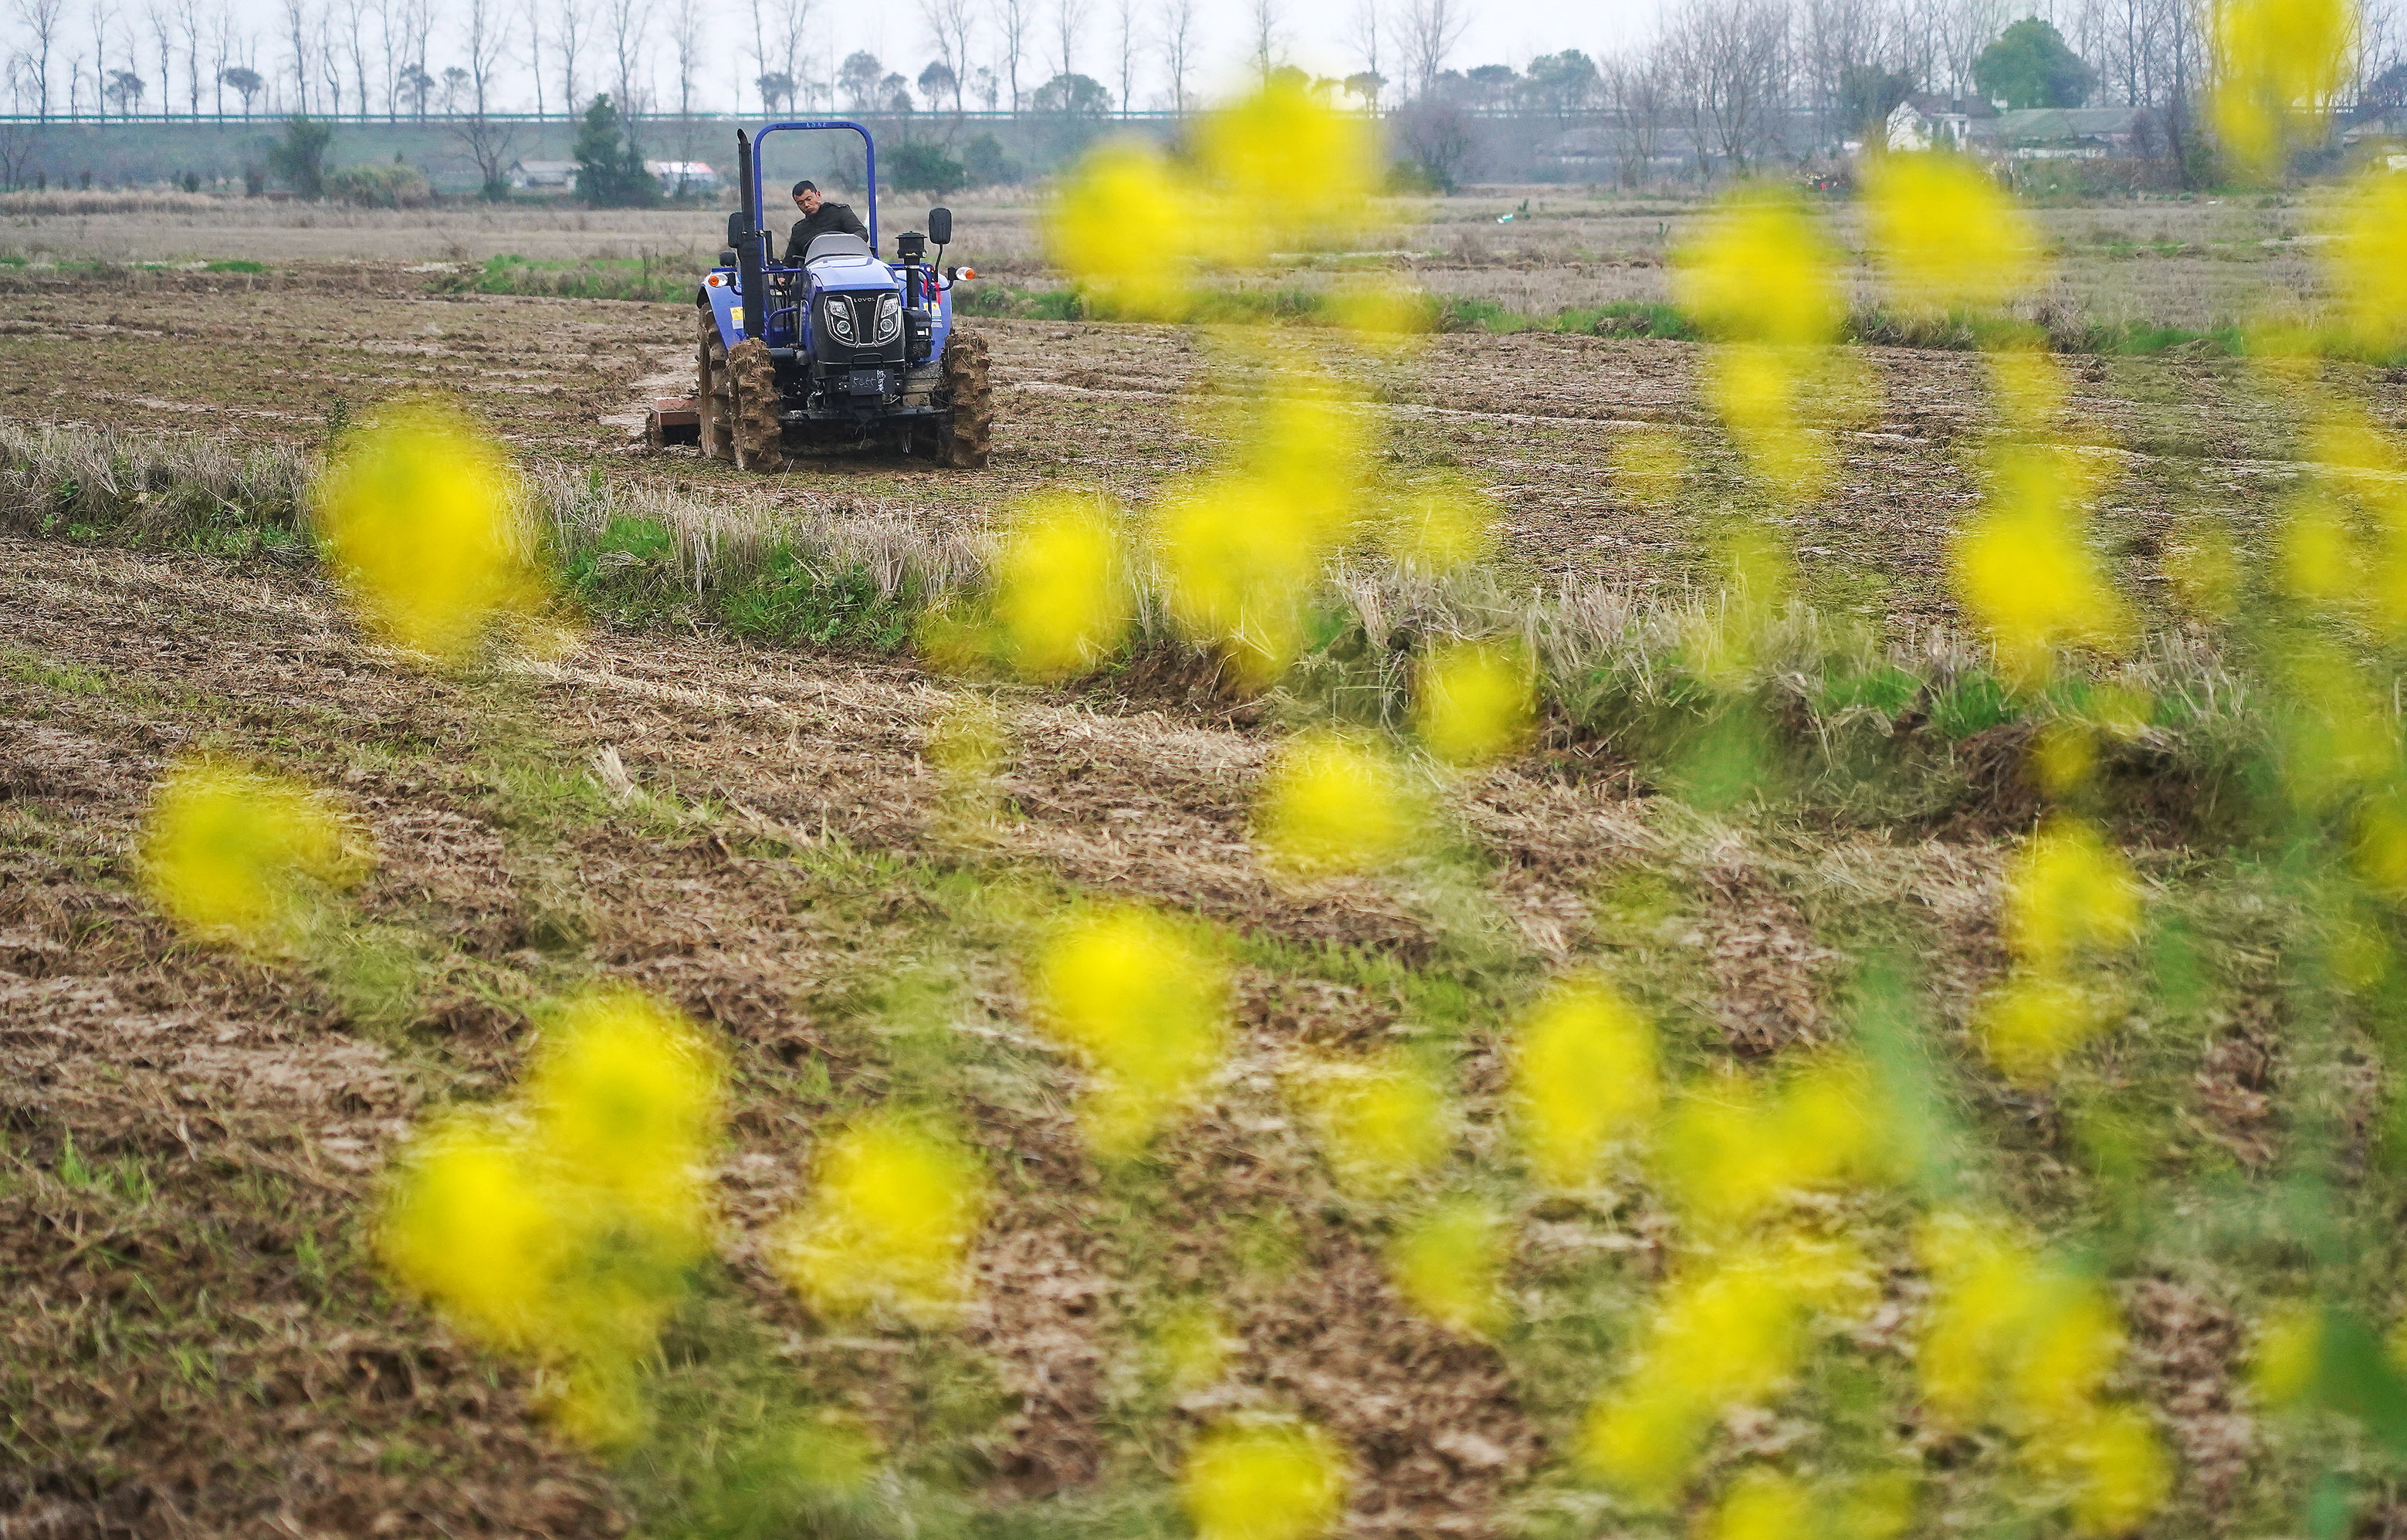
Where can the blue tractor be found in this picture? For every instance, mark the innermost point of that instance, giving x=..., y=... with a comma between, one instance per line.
x=840, y=349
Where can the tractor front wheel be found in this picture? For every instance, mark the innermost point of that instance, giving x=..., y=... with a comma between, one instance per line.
x=715, y=394
x=962, y=442
x=760, y=435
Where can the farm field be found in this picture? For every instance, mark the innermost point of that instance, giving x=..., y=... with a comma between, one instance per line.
x=719, y=769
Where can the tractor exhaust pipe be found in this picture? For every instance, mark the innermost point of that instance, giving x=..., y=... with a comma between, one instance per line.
x=755, y=284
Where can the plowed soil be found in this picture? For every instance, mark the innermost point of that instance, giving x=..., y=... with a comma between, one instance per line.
x=193, y=1339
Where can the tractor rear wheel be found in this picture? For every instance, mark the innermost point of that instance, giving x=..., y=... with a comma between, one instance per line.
x=760, y=435
x=969, y=399
x=715, y=395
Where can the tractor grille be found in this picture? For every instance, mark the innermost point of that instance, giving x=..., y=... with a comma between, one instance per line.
x=865, y=317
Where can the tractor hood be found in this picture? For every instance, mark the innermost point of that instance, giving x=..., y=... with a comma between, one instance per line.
x=849, y=273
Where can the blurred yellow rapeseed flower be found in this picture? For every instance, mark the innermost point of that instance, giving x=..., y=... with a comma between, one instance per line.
x=2070, y=893
x=477, y=1226
x=1309, y=448
x=1449, y=1263
x=893, y=1211
x=1584, y=1077
x=1331, y=804
x=1730, y=1334
x=1647, y=463
x=1125, y=228
x=1948, y=235
x=2032, y=1021
x=233, y=855
x=563, y=1225
x=1475, y=700
x=1761, y=273
x=1238, y=558
x=2013, y=1341
x=2025, y=574
x=1286, y=168
x=1765, y=1504
x=1144, y=1010
x=1737, y=1148
x=1190, y=1346
x=1440, y=528
x=416, y=513
x=1381, y=314
x=1283, y=1481
x=2277, y=66
x=2367, y=261
x=626, y=1098
x=1062, y=599
x=2032, y=389
x=2288, y=1357
x=1382, y=1121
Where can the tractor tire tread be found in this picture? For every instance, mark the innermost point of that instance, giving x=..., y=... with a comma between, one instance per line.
x=760, y=435
x=968, y=387
x=715, y=394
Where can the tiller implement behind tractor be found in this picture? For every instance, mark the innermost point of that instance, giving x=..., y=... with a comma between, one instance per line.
x=841, y=350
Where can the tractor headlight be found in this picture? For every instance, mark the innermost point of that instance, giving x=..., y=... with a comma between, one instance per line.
x=839, y=319
x=890, y=317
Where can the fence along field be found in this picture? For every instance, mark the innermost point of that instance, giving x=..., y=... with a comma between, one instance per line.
x=1339, y=1141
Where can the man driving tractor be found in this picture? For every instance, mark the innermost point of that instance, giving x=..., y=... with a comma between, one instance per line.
x=820, y=218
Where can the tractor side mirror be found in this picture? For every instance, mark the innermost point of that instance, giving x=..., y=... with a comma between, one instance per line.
x=940, y=226
x=735, y=231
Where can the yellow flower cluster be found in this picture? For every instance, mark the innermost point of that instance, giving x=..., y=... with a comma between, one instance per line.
x=2277, y=66
x=1062, y=597
x=1475, y=702
x=2025, y=572
x=1762, y=280
x=1729, y=1332
x=1142, y=1009
x=2019, y=1344
x=1272, y=1481
x=1279, y=169
x=2367, y=261
x=1384, y=1121
x=417, y=515
x=2070, y=900
x=1737, y=1148
x=2343, y=545
x=1768, y=1505
x=1947, y=235
x=1448, y=1263
x=1335, y=804
x=1584, y=1080
x=235, y=856
x=563, y=1225
x=891, y=1213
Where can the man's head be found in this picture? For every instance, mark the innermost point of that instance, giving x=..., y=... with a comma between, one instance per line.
x=806, y=198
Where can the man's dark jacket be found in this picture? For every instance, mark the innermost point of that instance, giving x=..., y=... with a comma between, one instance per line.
x=831, y=219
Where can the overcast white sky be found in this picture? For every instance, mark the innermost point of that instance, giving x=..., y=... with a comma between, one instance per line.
x=1313, y=33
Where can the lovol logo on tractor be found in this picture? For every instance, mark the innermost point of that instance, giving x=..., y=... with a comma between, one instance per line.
x=832, y=348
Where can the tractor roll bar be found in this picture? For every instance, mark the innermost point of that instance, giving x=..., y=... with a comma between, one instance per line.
x=869, y=164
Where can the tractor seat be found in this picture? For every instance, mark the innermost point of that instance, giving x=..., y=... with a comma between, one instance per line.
x=836, y=243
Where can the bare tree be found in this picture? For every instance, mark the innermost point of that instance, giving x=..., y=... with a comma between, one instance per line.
x=570, y=34
x=488, y=43
x=296, y=37
x=43, y=20
x=330, y=59
x=162, y=33
x=629, y=21
x=101, y=17
x=1011, y=18
x=1178, y=21
x=1262, y=28
x=188, y=25
x=533, y=50
x=1730, y=61
x=950, y=23
x=1638, y=94
x=221, y=56
x=416, y=20
x=1126, y=13
x=685, y=37
x=1837, y=41
x=793, y=19
x=1432, y=30
x=1363, y=30
x=1069, y=21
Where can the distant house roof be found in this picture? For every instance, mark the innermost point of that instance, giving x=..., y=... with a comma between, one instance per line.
x=692, y=171
x=2070, y=125
x=1931, y=105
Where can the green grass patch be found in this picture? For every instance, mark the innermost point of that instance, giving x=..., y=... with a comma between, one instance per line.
x=640, y=278
x=790, y=602
x=235, y=264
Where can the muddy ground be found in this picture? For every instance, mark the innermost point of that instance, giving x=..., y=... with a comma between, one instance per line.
x=196, y=1341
